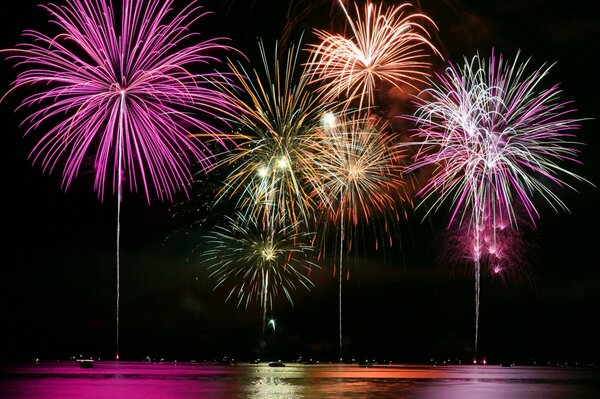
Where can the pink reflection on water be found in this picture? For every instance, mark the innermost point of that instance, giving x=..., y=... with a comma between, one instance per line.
x=128, y=380
x=137, y=380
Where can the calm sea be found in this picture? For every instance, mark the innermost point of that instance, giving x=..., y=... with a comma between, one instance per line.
x=133, y=380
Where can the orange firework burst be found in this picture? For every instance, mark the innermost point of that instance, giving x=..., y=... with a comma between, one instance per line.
x=359, y=176
x=387, y=44
x=360, y=171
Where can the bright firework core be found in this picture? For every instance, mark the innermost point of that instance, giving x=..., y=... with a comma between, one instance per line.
x=263, y=171
x=355, y=173
x=282, y=163
x=268, y=252
x=329, y=120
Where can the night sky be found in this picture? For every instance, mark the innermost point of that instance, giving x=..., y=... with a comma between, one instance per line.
x=57, y=291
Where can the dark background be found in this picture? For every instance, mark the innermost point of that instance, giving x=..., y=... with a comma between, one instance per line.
x=57, y=280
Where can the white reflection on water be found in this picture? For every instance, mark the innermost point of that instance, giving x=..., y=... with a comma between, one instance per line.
x=276, y=383
x=273, y=387
x=136, y=380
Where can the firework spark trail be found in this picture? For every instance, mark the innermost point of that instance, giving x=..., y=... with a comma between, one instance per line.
x=123, y=92
x=258, y=261
x=387, y=44
x=359, y=178
x=495, y=137
x=279, y=119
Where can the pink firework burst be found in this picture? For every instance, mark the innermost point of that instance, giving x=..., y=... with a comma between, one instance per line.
x=503, y=250
x=495, y=139
x=123, y=91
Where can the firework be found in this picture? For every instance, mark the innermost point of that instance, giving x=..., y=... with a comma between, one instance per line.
x=502, y=252
x=128, y=98
x=495, y=138
x=257, y=261
x=359, y=177
x=360, y=170
x=121, y=92
x=279, y=120
x=387, y=44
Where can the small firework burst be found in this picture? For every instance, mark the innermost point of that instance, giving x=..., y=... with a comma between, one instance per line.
x=258, y=262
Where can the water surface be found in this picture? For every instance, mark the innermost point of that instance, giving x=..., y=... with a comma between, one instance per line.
x=139, y=380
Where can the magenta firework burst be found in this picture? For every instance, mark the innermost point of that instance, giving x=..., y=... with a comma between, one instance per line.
x=502, y=249
x=122, y=91
x=495, y=138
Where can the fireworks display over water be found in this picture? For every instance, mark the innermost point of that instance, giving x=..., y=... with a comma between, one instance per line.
x=326, y=139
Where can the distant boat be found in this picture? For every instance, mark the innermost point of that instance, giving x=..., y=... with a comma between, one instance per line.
x=227, y=362
x=276, y=364
x=86, y=363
